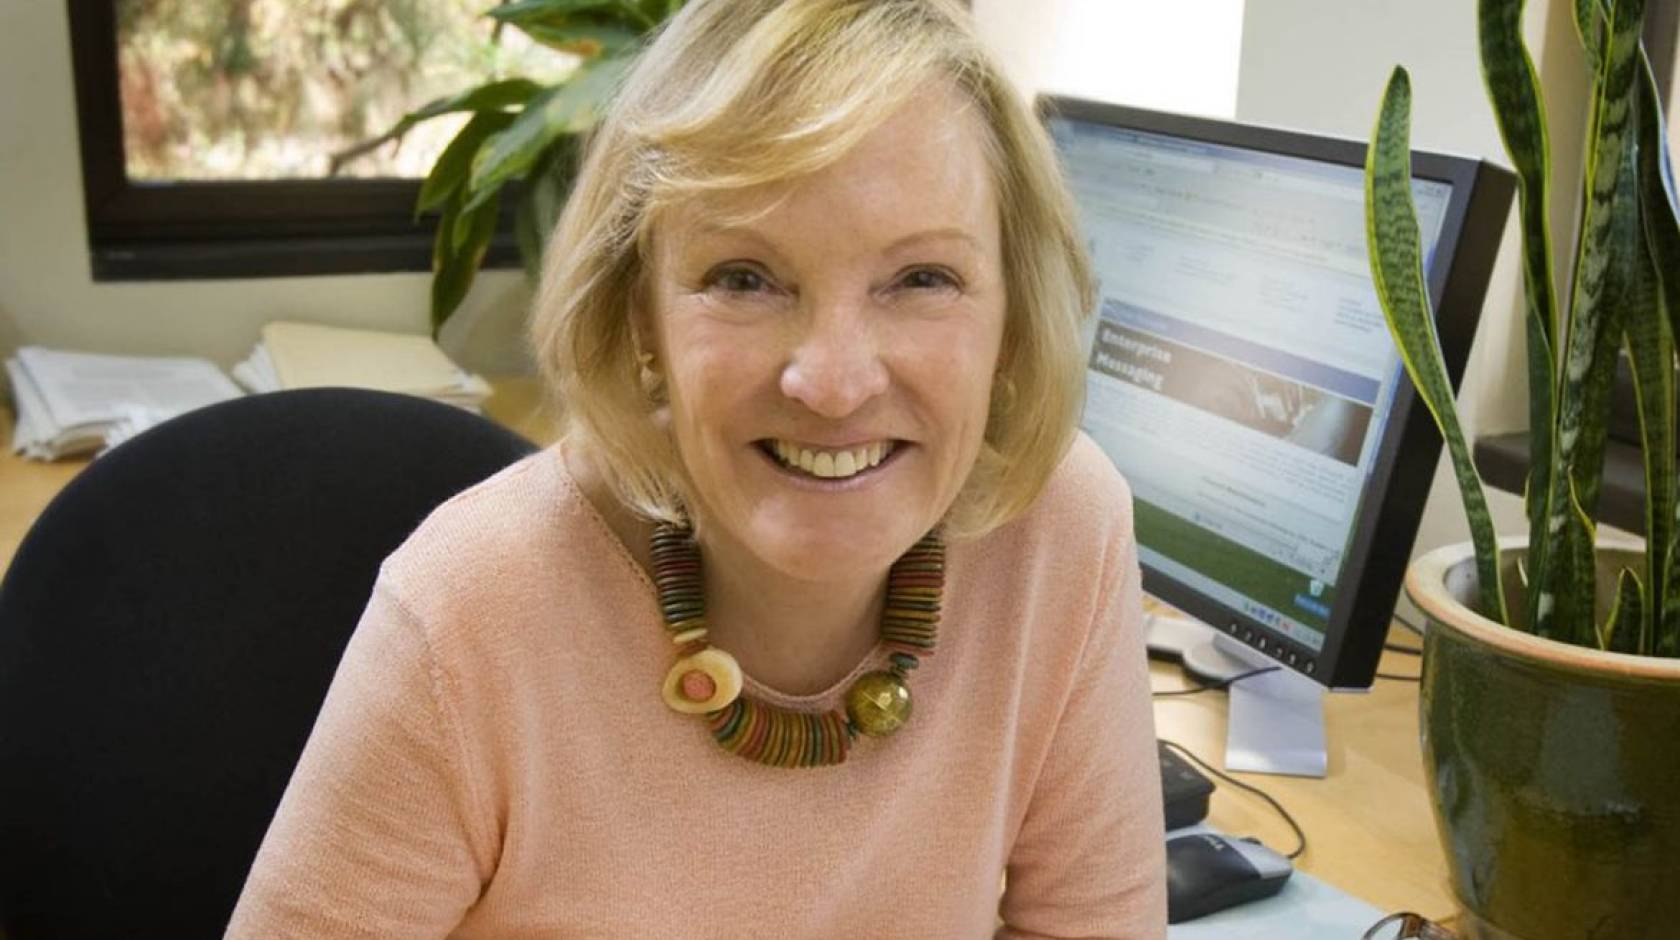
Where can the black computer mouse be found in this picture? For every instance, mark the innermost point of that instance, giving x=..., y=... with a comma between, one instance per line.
x=1207, y=873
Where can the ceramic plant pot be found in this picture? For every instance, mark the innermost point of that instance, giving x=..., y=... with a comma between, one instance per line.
x=1554, y=770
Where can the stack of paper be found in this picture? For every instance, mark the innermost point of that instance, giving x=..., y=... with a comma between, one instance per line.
x=306, y=355
x=72, y=403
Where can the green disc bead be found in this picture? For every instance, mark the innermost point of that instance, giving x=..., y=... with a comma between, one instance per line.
x=878, y=704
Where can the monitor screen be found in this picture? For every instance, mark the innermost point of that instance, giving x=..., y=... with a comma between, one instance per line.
x=1241, y=375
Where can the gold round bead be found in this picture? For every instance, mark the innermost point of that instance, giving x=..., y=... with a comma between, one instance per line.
x=878, y=704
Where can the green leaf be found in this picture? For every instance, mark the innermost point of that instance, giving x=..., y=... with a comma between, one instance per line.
x=587, y=38
x=450, y=171
x=1589, y=314
x=1589, y=26
x=493, y=96
x=565, y=109
x=1519, y=109
x=1650, y=347
x=474, y=224
x=1577, y=594
x=455, y=266
x=546, y=191
x=1397, y=270
x=1627, y=615
x=1667, y=641
x=1662, y=241
x=528, y=13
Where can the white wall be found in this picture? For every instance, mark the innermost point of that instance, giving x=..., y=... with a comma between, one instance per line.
x=1179, y=56
x=1321, y=65
x=48, y=297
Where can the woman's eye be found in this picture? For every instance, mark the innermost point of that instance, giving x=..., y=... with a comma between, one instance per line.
x=738, y=280
x=928, y=279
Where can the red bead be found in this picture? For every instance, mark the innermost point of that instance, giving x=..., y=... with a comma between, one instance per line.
x=697, y=686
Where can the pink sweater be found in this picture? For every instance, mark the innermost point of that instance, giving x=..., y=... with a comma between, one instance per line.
x=494, y=758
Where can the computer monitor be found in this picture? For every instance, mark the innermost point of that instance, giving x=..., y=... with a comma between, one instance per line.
x=1242, y=378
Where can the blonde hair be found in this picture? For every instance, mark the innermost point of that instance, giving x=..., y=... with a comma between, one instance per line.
x=740, y=93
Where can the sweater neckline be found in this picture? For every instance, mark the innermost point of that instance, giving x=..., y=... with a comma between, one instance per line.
x=649, y=619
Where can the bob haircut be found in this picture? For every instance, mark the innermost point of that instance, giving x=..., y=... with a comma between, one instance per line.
x=742, y=93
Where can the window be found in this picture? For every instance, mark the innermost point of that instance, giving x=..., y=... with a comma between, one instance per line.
x=219, y=138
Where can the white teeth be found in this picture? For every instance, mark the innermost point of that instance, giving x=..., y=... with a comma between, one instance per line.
x=837, y=464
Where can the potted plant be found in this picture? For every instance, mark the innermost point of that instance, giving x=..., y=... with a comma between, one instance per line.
x=521, y=130
x=1550, y=706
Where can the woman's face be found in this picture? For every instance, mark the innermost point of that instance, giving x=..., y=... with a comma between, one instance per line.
x=829, y=361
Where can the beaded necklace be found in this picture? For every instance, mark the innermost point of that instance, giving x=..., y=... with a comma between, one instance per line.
x=707, y=681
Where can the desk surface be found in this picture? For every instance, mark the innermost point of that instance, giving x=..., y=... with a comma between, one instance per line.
x=1368, y=824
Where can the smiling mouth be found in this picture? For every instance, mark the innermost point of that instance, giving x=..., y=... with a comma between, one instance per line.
x=827, y=464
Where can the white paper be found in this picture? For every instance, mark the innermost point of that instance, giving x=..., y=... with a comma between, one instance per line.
x=87, y=388
x=69, y=403
x=257, y=373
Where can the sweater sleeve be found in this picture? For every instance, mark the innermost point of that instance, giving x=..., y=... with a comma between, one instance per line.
x=1090, y=858
x=374, y=836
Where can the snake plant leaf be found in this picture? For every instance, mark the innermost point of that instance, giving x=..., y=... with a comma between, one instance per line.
x=1572, y=621
x=1611, y=127
x=1589, y=26
x=1626, y=279
x=565, y=109
x=1667, y=640
x=1397, y=270
x=1662, y=240
x=1513, y=88
x=1623, y=628
x=1650, y=347
x=449, y=173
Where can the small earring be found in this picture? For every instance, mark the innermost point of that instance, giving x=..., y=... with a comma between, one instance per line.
x=1003, y=395
x=653, y=382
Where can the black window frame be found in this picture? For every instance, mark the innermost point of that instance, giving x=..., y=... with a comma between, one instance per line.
x=145, y=230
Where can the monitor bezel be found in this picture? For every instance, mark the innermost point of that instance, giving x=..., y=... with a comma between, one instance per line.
x=1471, y=231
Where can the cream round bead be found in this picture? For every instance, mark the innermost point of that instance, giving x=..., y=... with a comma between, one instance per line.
x=718, y=666
x=689, y=636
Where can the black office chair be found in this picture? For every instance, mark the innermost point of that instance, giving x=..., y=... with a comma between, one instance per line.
x=168, y=630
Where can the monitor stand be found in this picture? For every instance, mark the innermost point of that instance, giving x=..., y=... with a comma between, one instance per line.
x=1275, y=723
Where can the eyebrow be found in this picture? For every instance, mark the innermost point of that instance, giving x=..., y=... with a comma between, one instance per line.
x=951, y=233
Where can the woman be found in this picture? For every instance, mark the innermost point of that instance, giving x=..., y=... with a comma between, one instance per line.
x=814, y=315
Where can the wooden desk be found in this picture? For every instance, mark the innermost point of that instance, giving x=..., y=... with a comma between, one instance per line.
x=1368, y=825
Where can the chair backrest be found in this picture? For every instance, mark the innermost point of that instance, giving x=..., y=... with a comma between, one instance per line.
x=168, y=630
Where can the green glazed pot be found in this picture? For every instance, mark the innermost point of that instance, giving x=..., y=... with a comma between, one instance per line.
x=1554, y=770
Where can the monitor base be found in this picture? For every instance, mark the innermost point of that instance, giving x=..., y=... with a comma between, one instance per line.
x=1275, y=722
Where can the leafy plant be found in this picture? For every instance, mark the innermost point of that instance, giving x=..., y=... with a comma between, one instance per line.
x=1624, y=292
x=523, y=131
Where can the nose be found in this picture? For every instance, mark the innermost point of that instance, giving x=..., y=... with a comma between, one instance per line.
x=836, y=366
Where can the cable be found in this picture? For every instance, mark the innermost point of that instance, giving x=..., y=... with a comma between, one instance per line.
x=1402, y=648
x=1300, y=836
x=1221, y=684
